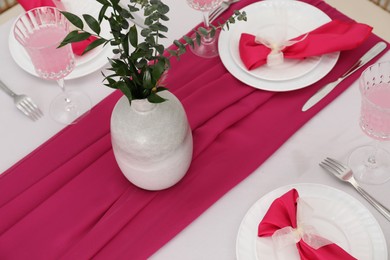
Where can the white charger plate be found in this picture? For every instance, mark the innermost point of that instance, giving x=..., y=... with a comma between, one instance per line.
x=294, y=74
x=337, y=216
x=85, y=64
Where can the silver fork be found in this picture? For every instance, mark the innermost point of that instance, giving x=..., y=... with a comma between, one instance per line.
x=344, y=173
x=220, y=9
x=23, y=103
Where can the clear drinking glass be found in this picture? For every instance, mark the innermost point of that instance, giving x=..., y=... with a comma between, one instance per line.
x=371, y=164
x=209, y=46
x=40, y=31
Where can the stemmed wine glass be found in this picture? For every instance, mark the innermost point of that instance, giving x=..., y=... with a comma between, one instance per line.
x=40, y=31
x=208, y=47
x=371, y=164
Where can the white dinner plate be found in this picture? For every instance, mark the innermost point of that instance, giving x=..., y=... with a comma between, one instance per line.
x=337, y=216
x=293, y=74
x=85, y=64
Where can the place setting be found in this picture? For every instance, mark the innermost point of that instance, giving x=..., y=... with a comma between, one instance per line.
x=309, y=221
x=295, y=33
x=315, y=221
x=286, y=46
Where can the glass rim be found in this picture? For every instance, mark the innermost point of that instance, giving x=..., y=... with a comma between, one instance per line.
x=56, y=10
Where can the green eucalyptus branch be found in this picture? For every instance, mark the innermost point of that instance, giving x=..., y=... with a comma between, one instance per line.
x=203, y=32
x=139, y=67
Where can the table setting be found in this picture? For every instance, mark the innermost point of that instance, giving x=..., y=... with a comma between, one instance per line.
x=65, y=195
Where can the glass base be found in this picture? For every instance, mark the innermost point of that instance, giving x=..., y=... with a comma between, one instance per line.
x=368, y=170
x=208, y=47
x=68, y=107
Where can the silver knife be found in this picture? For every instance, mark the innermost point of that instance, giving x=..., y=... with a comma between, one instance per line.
x=325, y=90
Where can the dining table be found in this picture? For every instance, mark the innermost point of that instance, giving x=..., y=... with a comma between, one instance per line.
x=198, y=227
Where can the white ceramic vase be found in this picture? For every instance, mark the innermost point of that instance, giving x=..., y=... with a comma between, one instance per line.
x=152, y=143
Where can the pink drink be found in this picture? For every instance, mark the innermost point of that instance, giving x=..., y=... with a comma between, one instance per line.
x=49, y=61
x=375, y=113
x=204, y=5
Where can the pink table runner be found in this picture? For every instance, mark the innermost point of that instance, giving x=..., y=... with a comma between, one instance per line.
x=69, y=200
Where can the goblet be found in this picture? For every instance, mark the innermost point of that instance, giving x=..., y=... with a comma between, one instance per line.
x=40, y=31
x=371, y=164
x=208, y=47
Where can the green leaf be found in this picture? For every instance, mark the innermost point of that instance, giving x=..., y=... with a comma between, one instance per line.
x=160, y=49
x=102, y=13
x=94, y=44
x=154, y=98
x=133, y=9
x=163, y=17
x=149, y=10
x=158, y=69
x=125, y=14
x=146, y=32
x=133, y=36
x=125, y=46
x=125, y=90
x=125, y=24
x=74, y=36
x=163, y=8
x=147, y=80
x=203, y=31
x=92, y=23
x=198, y=38
x=81, y=37
x=213, y=31
x=189, y=40
x=73, y=19
x=177, y=43
x=162, y=27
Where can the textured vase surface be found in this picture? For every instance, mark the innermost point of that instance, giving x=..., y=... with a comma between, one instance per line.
x=152, y=143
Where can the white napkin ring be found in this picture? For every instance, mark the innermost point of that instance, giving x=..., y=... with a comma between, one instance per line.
x=276, y=56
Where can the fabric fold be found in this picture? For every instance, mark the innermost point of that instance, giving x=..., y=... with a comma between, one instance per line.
x=331, y=37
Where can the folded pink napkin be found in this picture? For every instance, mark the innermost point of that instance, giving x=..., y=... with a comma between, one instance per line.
x=331, y=37
x=283, y=213
x=77, y=47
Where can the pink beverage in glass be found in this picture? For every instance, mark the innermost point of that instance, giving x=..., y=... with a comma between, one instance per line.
x=49, y=61
x=375, y=111
x=204, y=5
x=40, y=31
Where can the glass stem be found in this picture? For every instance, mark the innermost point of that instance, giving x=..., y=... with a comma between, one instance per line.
x=206, y=21
x=371, y=161
x=61, y=83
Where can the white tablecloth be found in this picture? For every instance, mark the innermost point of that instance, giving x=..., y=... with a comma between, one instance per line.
x=333, y=132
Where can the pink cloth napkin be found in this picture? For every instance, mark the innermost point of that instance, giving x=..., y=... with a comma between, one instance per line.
x=283, y=213
x=69, y=200
x=331, y=37
x=77, y=47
